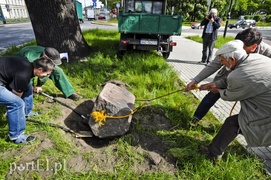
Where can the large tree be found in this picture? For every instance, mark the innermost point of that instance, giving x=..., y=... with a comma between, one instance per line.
x=55, y=24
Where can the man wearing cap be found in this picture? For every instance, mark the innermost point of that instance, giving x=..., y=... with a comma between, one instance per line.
x=211, y=24
x=16, y=91
x=58, y=77
x=250, y=83
x=253, y=43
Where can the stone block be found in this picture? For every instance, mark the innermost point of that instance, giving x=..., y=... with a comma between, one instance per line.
x=116, y=101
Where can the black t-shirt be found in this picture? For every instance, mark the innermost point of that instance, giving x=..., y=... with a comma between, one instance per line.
x=15, y=73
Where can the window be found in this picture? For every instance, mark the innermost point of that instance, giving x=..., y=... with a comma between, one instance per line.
x=157, y=7
x=147, y=7
x=129, y=6
x=139, y=6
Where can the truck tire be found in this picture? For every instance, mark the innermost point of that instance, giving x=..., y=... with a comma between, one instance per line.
x=165, y=55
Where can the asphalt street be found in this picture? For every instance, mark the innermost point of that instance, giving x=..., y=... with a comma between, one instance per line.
x=16, y=34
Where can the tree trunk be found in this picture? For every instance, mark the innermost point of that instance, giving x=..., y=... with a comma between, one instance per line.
x=55, y=24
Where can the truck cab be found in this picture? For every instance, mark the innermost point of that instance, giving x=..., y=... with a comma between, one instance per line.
x=145, y=25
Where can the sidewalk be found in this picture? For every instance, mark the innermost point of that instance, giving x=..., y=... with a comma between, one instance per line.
x=184, y=59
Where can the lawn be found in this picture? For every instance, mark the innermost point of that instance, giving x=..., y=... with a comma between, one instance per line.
x=159, y=145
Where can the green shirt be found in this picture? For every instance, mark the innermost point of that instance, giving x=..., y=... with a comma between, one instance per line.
x=31, y=52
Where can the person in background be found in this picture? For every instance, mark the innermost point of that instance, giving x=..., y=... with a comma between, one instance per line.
x=58, y=77
x=250, y=83
x=211, y=24
x=253, y=43
x=16, y=92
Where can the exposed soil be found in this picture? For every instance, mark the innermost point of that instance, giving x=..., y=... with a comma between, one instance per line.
x=147, y=144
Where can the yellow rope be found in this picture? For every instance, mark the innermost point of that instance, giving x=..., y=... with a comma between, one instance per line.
x=233, y=108
x=100, y=117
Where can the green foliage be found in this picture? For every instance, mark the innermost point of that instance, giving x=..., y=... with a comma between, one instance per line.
x=257, y=17
x=195, y=10
x=247, y=16
x=268, y=18
x=265, y=7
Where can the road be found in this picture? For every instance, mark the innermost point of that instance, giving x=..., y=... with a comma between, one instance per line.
x=15, y=34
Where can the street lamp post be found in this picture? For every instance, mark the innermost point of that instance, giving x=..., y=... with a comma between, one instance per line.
x=228, y=18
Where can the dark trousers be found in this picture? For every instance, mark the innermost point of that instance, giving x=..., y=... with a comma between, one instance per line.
x=228, y=132
x=208, y=46
x=205, y=105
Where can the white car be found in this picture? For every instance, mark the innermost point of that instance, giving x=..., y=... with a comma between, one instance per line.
x=195, y=26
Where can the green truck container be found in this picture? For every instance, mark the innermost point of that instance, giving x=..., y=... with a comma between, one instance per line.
x=150, y=24
x=144, y=25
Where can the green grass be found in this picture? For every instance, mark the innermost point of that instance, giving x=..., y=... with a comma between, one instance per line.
x=19, y=20
x=149, y=76
x=220, y=40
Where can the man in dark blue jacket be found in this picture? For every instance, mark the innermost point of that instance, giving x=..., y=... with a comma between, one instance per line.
x=209, y=35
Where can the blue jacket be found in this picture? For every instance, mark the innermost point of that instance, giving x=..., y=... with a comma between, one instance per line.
x=216, y=25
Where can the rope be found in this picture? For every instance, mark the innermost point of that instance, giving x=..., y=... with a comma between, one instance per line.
x=233, y=108
x=100, y=116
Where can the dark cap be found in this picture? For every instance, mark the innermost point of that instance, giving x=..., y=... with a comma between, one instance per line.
x=53, y=54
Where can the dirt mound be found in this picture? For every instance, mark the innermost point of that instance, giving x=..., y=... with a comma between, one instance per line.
x=101, y=155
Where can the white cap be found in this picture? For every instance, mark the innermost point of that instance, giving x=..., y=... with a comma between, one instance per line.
x=229, y=47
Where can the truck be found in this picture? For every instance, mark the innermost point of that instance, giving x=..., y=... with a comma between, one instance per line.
x=145, y=25
x=79, y=11
x=90, y=14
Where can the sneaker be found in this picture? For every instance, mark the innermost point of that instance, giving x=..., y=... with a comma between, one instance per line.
x=74, y=97
x=204, y=151
x=202, y=62
x=32, y=114
x=24, y=139
x=194, y=121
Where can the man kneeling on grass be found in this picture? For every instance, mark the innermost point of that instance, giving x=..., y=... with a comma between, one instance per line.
x=250, y=83
x=16, y=91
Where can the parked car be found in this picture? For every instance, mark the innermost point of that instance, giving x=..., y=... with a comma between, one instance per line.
x=102, y=17
x=236, y=25
x=248, y=23
x=195, y=25
x=243, y=24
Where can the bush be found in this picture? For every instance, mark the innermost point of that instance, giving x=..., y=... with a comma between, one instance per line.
x=257, y=17
x=247, y=16
x=268, y=18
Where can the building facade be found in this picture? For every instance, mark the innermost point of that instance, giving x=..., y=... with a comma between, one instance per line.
x=13, y=9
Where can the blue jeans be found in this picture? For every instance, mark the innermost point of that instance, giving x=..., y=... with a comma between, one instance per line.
x=28, y=99
x=16, y=109
x=205, y=105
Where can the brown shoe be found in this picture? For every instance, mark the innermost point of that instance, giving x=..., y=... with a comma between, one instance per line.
x=74, y=97
x=204, y=151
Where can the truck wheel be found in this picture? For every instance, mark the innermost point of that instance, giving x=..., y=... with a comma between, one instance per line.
x=166, y=54
x=120, y=54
